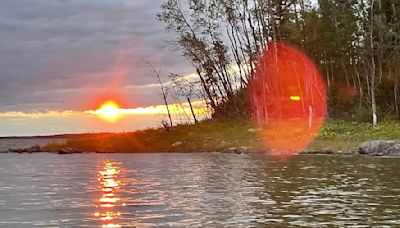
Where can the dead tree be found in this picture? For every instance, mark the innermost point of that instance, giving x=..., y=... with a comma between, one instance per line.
x=163, y=89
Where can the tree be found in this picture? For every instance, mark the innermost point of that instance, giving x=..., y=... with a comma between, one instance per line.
x=355, y=44
x=163, y=92
x=185, y=88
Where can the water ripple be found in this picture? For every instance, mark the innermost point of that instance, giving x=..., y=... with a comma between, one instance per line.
x=196, y=190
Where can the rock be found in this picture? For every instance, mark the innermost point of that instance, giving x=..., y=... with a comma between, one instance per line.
x=65, y=151
x=68, y=150
x=103, y=152
x=240, y=150
x=232, y=149
x=34, y=149
x=380, y=148
x=251, y=130
x=316, y=152
x=326, y=151
x=349, y=153
x=175, y=144
x=208, y=138
x=244, y=149
x=19, y=151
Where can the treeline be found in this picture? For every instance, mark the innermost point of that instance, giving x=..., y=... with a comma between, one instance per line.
x=355, y=44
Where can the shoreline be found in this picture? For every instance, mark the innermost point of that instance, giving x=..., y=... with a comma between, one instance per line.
x=230, y=136
x=303, y=153
x=372, y=148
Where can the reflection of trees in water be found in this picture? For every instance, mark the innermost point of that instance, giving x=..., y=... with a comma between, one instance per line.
x=226, y=191
x=334, y=189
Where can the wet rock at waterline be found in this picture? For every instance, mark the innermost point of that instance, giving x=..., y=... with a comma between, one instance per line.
x=32, y=149
x=179, y=143
x=380, y=148
x=69, y=151
x=323, y=151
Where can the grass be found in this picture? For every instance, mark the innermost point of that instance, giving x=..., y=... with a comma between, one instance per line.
x=224, y=135
x=206, y=136
x=347, y=136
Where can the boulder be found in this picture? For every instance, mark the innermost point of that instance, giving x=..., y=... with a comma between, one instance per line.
x=34, y=149
x=326, y=151
x=179, y=143
x=103, y=152
x=318, y=152
x=243, y=150
x=68, y=150
x=20, y=151
x=380, y=148
x=232, y=149
x=251, y=130
x=238, y=150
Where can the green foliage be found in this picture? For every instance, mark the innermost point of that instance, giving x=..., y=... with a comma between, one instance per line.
x=355, y=44
x=211, y=135
x=236, y=106
x=348, y=135
x=362, y=114
x=53, y=146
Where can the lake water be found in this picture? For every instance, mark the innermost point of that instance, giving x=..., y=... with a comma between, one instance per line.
x=193, y=190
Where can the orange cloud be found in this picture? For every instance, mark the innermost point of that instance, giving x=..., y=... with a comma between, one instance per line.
x=199, y=108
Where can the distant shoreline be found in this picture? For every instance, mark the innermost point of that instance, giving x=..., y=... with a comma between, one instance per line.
x=59, y=136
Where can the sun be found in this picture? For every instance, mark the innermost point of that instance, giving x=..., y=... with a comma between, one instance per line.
x=109, y=110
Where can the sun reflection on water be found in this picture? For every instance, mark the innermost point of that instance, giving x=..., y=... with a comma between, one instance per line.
x=109, y=184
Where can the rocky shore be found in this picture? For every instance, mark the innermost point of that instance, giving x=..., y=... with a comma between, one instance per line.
x=38, y=149
x=380, y=148
x=369, y=148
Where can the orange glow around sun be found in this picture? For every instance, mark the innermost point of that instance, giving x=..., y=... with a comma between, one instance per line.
x=109, y=111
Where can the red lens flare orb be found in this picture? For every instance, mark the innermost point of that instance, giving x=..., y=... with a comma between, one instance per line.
x=288, y=99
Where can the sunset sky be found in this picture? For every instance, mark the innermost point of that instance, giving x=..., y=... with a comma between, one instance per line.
x=61, y=58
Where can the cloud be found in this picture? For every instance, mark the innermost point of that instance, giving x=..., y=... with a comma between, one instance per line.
x=56, y=53
x=199, y=107
x=35, y=115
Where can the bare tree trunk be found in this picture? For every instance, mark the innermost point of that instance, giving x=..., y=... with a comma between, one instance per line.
x=207, y=90
x=373, y=99
x=345, y=72
x=191, y=109
x=373, y=102
x=396, y=102
x=181, y=106
x=163, y=91
x=328, y=82
x=359, y=84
